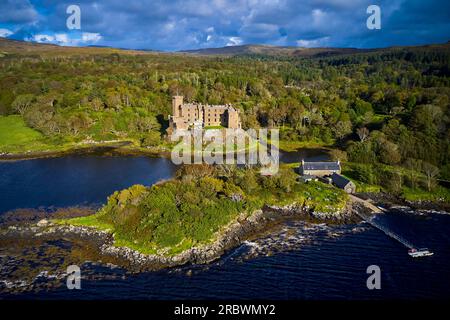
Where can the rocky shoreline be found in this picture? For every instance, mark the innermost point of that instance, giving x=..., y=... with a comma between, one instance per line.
x=245, y=227
x=389, y=200
x=38, y=253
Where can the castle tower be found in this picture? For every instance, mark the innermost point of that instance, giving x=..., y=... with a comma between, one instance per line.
x=233, y=119
x=177, y=102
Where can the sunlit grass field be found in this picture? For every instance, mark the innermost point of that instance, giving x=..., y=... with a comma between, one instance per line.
x=14, y=135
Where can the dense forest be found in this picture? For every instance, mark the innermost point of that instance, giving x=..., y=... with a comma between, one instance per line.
x=379, y=107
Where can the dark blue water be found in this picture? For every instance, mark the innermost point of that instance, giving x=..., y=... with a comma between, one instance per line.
x=324, y=267
x=75, y=180
x=90, y=179
x=328, y=268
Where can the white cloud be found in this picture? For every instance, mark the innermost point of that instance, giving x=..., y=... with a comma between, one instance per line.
x=43, y=38
x=313, y=42
x=91, y=37
x=62, y=38
x=169, y=26
x=234, y=41
x=5, y=33
x=65, y=39
x=318, y=16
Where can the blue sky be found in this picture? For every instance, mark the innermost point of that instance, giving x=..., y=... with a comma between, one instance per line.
x=176, y=25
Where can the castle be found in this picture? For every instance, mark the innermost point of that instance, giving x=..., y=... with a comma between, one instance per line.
x=193, y=115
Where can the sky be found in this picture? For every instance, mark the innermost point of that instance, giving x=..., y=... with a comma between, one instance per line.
x=173, y=25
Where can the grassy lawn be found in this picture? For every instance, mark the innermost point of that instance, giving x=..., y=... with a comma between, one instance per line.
x=320, y=196
x=438, y=194
x=88, y=221
x=289, y=146
x=15, y=135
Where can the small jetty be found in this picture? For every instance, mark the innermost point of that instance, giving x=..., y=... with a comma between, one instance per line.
x=413, y=251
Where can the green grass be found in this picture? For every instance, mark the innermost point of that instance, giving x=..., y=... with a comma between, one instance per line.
x=15, y=135
x=87, y=221
x=290, y=146
x=365, y=187
x=17, y=138
x=438, y=194
x=317, y=195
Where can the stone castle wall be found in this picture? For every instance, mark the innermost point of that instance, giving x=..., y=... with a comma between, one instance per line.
x=188, y=115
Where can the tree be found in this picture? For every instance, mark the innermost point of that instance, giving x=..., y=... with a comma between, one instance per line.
x=38, y=115
x=389, y=153
x=342, y=128
x=152, y=138
x=79, y=122
x=362, y=133
x=413, y=166
x=431, y=172
x=427, y=119
x=22, y=103
x=393, y=181
x=338, y=155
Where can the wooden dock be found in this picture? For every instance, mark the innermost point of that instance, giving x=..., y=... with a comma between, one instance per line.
x=377, y=225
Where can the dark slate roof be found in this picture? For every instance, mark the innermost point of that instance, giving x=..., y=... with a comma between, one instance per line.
x=339, y=181
x=330, y=165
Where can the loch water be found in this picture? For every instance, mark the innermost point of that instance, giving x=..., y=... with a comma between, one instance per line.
x=301, y=261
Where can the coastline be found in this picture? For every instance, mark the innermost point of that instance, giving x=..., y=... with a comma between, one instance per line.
x=125, y=147
x=120, y=148
x=389, y=200
x=86, y=246
x=22, y=238
x=244, y=228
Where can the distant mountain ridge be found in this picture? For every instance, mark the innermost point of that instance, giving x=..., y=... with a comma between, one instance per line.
x=8, y=46
x=11, y=46
x=271, y=50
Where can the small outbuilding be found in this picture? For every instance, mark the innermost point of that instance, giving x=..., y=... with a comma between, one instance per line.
x=343, y=183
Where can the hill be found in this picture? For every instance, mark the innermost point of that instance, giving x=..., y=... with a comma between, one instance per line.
x=9, y=46
x=272, y=51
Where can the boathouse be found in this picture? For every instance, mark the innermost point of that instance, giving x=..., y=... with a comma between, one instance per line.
x=343, y=183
